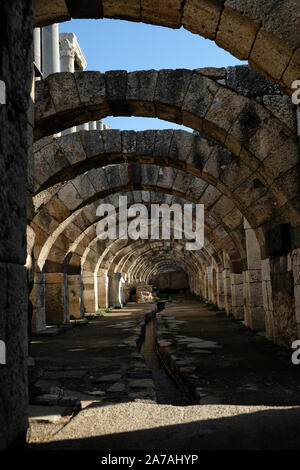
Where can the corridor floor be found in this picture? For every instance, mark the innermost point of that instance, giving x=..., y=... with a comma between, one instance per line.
x=250, y=388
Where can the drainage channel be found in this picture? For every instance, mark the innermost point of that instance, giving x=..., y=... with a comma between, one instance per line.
x=167, y=391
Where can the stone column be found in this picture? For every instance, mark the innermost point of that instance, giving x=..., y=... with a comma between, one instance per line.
x=67, y=64
x=67, y=60
x=295, y=265
x=50, y=52
x=56, y=298
x=237, y=295
x=37, y=49
x=92, y=126
x=209, y=283
x=267, y=300
x=227, y=291
x=253, y=297
x=37, y=297
x=115, y=289
x=102, y=292
x=88, y=282
x=75, y=295
x=220, y=288
x=50, y=49
x=123, y=291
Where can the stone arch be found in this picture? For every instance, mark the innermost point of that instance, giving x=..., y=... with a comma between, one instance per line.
x=263, y=34
x=187, y=97
x=53, y=227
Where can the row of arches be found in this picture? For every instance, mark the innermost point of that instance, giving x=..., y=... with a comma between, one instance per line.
x=248, y=158
x=241, y=162
x=261, y=32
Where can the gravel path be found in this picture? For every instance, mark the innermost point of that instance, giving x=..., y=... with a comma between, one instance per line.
x=149, y=426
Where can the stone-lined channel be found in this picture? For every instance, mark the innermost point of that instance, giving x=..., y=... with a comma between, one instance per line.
x=167, y=391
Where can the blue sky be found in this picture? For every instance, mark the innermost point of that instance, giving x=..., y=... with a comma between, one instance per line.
x=116, y=45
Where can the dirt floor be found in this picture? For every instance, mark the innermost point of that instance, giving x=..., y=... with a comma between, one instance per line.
x=249, y=389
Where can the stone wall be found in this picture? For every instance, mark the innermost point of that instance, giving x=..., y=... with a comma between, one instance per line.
x=144, y=293
x=16, y=17
x=176, y=280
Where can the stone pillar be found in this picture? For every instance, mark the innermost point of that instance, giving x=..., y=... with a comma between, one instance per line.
x=282, y=326
x=205, y=295
x=271, y=332
x=50, y=49
x=227, y=291
x=295, y=265
x=197, y=285
x=92, y=126
x=37, y=49
x=89, y=300
x=16, y=57
x=67, y=64
x=37, y=298
x=56, y=298
x=115, y=288
x=220, y=288
x=253, y=297
x=214, y=287
x=209, y=283
x=102, y=291
x=123, y=291
x=67, y=60
x=75, y=295
x=237, y=295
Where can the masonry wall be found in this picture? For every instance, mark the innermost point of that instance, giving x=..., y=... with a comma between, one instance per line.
x=172, y=280
x=16, y=18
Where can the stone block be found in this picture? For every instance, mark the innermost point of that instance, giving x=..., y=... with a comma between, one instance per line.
x=166, y=13
x=241, y=42
x=163, y=139
x=128, y=142
x=140, y=92
x=145, y=141
x=92, y=89
x=116, y=87
x=202, y=17
x=197, y=100
x=63, y=90
x=84, y=186
x=182, y=145
x=117, y=9
x=269, y=55
x=69, y=196
x=92, y=145
x=171, y=88
x=225, y=109
x=112, y=140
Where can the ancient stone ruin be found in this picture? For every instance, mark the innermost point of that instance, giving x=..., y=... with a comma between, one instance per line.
x=59, y=161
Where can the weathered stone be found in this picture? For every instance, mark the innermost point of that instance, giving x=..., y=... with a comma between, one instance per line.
x=109, y=378
x=244, y=33
x=117, y=387
x=140, y=92
x=202, y=17
x=246, y=81
x=141, y=383
x=171, y=88
x=156, y=12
